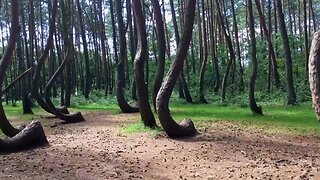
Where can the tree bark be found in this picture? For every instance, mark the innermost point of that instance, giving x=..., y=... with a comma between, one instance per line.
x=122, y=102
x=33, y=134
x=252, y=101
x=202, y=99
x=87, y=84
x=314, y=73
x=162, y=50
x=291, y=95
x=140, y=58
x=270, y=46
x=185, y=128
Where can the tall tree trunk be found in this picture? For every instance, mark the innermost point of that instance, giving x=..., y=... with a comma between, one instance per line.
x=122, y=102
x=236, y=32
x=184, y=92
x=252, y=101
x=291, y=95
x=162, y=50
x=306, y=45
x=87, y=84
x=185, y=128
x=140, y=58
x=270, y=45
x=202, y=99
x=231, y=53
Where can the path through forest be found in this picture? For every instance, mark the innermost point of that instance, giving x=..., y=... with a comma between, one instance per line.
x=97, y=149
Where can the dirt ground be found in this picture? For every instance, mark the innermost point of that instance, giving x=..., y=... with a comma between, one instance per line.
x=97, y=149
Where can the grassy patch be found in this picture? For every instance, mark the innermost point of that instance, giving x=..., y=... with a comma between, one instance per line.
x=277, y=119
x=16, y=112
x=139, y=127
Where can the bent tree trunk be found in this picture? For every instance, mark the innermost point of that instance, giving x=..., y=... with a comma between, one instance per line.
x=122, y=102
x=314, y=73
x=69, y=118
x=185, y=128
x=162, y=50
x=142, y=55
x=35, y=80
x=33, y=134
x=6, y=60
x=252, y=101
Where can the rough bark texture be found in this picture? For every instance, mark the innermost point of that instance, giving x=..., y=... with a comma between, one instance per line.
x=162, y=50
x=122, y=102
x=185, y=128
x=140, y=58
x=252, y=101
x=314, y=73
x=31, y=136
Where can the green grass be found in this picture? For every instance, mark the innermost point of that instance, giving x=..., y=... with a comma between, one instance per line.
x=277, y=119
x=15, y=112
x=139, y=127
x=298, y=120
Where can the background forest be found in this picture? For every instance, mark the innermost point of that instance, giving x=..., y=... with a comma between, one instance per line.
x=221, y=69
x=240, y=73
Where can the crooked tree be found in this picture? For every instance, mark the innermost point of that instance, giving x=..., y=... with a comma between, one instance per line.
x=33, y=134
x=139, y=61
x=120, y=80
x=185, y=128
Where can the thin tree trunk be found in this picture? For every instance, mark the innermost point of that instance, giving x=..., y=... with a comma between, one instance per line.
x=140, y=58
x=162, y=50
x=291, y=95
x=122, y=102
x=252, y=101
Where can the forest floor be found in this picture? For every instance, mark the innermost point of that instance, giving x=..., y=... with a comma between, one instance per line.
x=99, y=149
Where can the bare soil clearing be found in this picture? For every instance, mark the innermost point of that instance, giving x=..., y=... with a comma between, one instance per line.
x=97, y=149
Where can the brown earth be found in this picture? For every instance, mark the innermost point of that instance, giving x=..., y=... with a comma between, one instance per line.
x=98, y=149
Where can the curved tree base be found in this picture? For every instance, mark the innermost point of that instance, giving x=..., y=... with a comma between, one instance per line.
x=174, y=130
x=63, y=109
x=68, y=118
x=124, y=106
x=257, y=110
x=184, y=129
x=31, y=136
